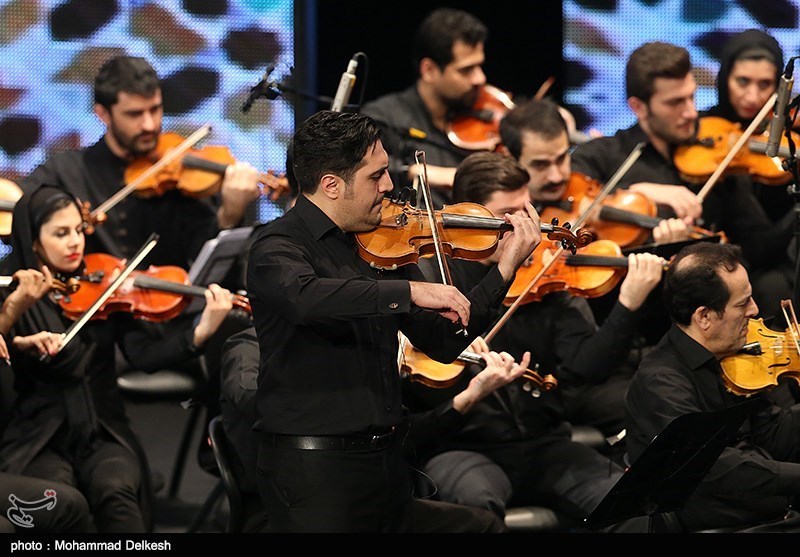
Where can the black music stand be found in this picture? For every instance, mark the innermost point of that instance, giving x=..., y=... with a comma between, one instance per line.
x=670, y=468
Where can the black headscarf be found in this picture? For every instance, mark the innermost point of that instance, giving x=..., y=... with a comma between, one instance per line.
x=751, y=41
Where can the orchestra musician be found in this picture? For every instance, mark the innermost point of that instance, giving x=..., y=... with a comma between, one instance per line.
x=331, y=456
x=128, y=100
x=660, y=89
x=536, y=135
x=515, y=448
x=448, y=54
x=68, y=423
x=752, y=484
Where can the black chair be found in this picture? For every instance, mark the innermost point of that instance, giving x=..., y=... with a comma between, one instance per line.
x=178, y=386
x=227, y=464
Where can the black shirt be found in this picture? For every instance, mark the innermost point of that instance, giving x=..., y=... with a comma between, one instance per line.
x=753, y=476
x=398, y=113
x=564, y=340
x=94, y=174
x=729, y=207
x=327, y=327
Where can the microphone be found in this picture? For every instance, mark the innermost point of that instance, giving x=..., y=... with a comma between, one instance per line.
x=263, y=88
x=345, y=86
x=779, y=113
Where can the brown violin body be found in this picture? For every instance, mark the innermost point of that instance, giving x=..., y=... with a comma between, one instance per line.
x=715, y=137
x=767, y=356
x=197, y=174
x=625, y=217
x=156, y=294
x=427, y=371
x=479, y=128
x=593, y=271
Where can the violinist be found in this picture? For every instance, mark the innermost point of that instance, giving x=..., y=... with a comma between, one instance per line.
x=660, y=89
x=536, y=135
x=514, y=448
x=756, y=478
x=331, y=417
x=128, y=101
x=68, y=423
x=448, y=54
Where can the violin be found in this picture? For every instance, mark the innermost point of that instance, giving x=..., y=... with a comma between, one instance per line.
x=9, y=195
x=697, y=161
x=156, y=294
x=427, y=371
x=625, y=217
x=197, y=174
x=592, y=272
x=478, y=129
x=470, y=232
x=766, y=356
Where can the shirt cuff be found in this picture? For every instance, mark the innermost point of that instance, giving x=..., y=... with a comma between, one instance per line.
x=394, y=297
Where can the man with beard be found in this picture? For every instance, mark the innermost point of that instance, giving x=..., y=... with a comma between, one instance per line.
x=127, y=96
x=660, y=89
x=448, y=55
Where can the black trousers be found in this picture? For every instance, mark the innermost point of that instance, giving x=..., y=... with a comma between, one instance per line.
x=354, y=491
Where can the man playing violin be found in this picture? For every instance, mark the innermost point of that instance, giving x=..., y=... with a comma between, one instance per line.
x=514, y=448
x=331, y=426
x=660, y=88
x=448, y=53
x=127, y=97
x=757, y=476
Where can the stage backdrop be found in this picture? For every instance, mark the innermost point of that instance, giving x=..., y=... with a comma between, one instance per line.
x=209, y=53
x=599, y=35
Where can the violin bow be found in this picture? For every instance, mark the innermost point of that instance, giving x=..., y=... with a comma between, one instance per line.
x=437, y=229
x=712, y=180
x=169, y=157
x=73, y=330
x=610, y=185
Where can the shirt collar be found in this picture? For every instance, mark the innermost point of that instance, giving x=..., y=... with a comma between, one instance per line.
x=317, y=221
x=694, y=354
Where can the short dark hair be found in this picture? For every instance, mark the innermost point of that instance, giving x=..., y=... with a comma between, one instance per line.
x=130, y=74
x=438, y=32
x=483, y=173
x=539, y=116
x=652, y=60
x=694, y=280
x=331, y=142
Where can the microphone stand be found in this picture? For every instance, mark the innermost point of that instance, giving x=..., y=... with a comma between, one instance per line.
x=790, y=164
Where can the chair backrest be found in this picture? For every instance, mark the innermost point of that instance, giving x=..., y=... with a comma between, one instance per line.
x=226, y=462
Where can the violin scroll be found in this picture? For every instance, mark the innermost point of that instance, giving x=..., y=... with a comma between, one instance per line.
x=568, y=239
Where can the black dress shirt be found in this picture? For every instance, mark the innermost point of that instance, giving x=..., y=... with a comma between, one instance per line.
x=729, y=207
x=327, y=327
x=398, y=113
x=754, y=476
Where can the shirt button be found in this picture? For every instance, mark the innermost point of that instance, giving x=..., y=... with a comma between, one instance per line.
x=394, y=305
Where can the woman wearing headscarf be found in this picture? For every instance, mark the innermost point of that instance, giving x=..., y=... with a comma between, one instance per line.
x=68, y=423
